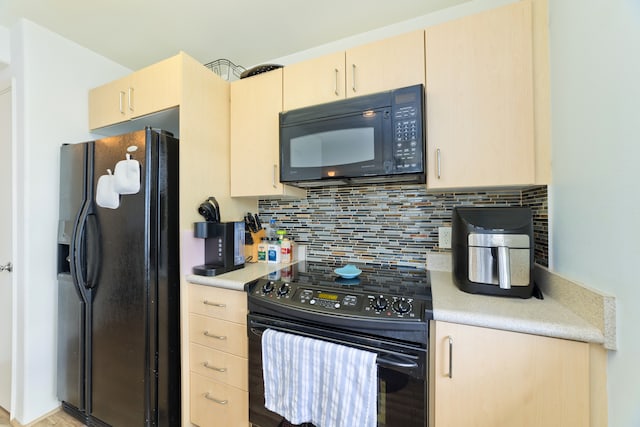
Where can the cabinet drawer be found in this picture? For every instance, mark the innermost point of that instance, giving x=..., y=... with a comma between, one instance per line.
x=218, y=365
x=220, y=303
x=230, y=407
x=218, y=334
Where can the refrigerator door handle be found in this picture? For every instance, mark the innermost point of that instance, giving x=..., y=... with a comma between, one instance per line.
x=92, y=250
x=86, y=251
x=77, y=266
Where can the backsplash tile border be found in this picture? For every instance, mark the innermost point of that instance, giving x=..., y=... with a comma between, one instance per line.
x=390, y=224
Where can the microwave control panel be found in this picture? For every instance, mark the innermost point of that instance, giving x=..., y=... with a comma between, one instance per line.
x=407, y=145
x=408, y=138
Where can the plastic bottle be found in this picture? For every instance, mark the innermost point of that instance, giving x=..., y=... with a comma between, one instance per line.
x=273, y=251
x=271, y=231
x=285, y=250
x=262, y=250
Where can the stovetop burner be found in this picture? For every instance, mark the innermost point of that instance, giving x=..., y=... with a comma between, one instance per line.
x=383, y=301
x=406, y=282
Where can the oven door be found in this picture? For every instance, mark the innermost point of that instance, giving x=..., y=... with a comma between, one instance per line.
x=402, y=373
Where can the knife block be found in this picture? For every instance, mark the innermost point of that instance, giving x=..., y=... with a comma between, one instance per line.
x=252, y=249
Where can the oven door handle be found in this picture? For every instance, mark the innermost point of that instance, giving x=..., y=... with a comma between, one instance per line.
x=395, y=362
x=389, y=361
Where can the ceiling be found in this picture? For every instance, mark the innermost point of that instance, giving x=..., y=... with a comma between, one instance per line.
x=136, y=33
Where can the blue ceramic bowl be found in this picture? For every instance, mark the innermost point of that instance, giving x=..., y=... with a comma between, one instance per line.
x=349, y=271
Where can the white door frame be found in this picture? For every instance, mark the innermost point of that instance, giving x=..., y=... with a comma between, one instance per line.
x=9, y=87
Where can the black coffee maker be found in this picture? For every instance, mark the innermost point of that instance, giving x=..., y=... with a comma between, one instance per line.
x=223, y=241
x=492, y=250
x=223, y=247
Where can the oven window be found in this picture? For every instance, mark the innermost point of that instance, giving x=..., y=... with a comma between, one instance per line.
x=331, y=148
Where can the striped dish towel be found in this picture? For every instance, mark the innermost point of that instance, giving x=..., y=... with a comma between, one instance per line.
x=313, y=381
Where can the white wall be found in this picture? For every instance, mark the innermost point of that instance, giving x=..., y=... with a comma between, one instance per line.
x=52, y=76
x=595, y=196
x=4, y=47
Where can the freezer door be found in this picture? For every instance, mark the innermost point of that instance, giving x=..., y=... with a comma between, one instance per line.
x=72, y=298
x=71, y=320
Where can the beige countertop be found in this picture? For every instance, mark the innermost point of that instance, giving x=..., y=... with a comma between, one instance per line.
x=545, y=317
x=238, y=278
x=568, y=310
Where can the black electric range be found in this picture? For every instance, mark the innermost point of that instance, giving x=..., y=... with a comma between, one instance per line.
x=383, y=301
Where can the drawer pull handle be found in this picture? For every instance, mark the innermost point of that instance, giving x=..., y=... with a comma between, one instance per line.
x=218, y=337
x=206, y=365
x=214, y=304
x=122, y=94
x=450, y=373
x=213, y=399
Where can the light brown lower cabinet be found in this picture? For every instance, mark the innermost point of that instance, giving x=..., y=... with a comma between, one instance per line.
x=215, y=404
x=492, y=378
x=217, y=354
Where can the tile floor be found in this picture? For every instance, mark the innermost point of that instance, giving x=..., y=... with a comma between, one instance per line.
x=59, y=419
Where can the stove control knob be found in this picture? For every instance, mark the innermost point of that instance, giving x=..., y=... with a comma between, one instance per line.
x=283, y=289
x=401, y=306
x=267, y=288
x=379, y=303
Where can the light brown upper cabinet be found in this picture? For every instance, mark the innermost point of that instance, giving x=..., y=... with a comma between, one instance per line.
x=375, y=67
x=480, y=106
x=152, y=89
x=255, y=155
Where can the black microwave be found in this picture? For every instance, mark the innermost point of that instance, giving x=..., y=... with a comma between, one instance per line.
x=377, y=138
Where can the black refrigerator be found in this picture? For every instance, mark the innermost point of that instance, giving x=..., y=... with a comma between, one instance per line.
x=118, y=281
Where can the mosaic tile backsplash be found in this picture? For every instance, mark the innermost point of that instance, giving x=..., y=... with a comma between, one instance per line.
x=389, y=224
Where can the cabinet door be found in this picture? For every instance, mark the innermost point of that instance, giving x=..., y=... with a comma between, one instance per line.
x=255, y=154
x=506, y=379
x=387, y=64
x=315, y=81
x=109, y=103
x=225, y=304
x=215, y=404
x=219, y=334
x=150, y=90
x=155, y=88
x=218, y=365
x=479, y=95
